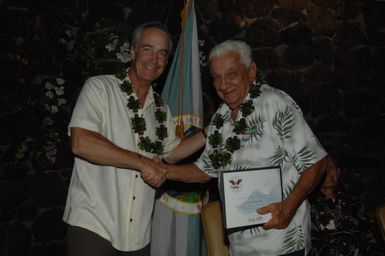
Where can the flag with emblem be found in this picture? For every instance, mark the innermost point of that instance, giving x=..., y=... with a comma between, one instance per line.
x=182, y=90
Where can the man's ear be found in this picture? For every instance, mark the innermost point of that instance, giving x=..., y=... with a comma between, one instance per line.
x=132, y=53
x=253, y=71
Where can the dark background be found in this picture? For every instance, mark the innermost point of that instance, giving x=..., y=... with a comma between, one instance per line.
x=329, y=55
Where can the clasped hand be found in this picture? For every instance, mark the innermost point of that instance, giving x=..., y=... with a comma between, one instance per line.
x=154, y=172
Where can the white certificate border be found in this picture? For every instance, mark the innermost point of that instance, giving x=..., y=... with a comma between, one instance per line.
x=223, y=194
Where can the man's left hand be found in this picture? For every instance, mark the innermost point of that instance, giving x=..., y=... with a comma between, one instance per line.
x=281, y=216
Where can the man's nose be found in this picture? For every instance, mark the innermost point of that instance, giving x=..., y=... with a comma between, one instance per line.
x=154, y=58
x=224, y=83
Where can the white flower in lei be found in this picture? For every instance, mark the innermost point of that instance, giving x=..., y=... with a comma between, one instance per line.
x=139, y=123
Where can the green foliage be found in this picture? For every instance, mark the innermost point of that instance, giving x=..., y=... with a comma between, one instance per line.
x=122, y=74
x=278, y=157
x=160, y=115
x=255, y=89
x=215, y=139
x=138, y=124
x=158, y=100
x=232, y=144
x=247, y=108
x=157, y=147
x=294, y=240
x=240, y=126
x=133, y=103
x=161, y=132
x=126, y=87
x=283, y=123
x=217, y=120
x=303, y=159
x=220, y=158
x=145, y=144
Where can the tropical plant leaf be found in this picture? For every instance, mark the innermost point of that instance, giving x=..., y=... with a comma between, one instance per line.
x=240, y=126
x=157, y=147
x=215, y=139
x=278, y=157
x=240, y=167
x=232, y=144
x=217, y=120
x=254, y=230
x=288, y=188
x=161, y=132
x=160, y=115
x=294, y=240
x=207, y=165
x=283, y=123
x=247, y=108
x=303, y=159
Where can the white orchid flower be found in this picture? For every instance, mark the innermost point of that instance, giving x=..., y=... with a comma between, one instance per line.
x=61, y=101
x=49, y=94
x=59, y=90
x=60, y=81
x=48, y=85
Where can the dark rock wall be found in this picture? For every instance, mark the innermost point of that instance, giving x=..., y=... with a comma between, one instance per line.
x=328, y=55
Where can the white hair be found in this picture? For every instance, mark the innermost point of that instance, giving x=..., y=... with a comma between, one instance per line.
x=240, y=47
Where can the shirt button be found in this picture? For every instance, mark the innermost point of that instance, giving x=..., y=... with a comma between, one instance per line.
x=130, y=220
x=136, y=176
x=134, y=197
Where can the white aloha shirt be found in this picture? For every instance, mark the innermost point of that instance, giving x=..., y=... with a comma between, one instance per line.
x=114, y=203
x=278, y=135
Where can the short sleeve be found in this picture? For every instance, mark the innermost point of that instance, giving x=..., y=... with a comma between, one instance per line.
x=289, y=124
x=89, y=110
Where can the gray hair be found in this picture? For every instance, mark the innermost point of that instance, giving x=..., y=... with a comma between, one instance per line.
x=240, y=47
x=152, y=24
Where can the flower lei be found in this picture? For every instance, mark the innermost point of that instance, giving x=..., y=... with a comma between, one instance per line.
x=222, y=153
x=139, y=123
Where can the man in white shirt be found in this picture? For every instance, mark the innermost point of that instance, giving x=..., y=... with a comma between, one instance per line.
x=118, y=125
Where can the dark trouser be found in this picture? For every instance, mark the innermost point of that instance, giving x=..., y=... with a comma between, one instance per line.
x=82, y=242
x=297, y=253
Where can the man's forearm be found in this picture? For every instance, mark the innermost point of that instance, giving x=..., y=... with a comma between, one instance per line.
x=97, y=149
x=187, y=146
x=306, y=183
x=188, y=173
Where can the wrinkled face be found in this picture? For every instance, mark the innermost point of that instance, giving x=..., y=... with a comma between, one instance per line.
x=149, y=57
x=231, y=78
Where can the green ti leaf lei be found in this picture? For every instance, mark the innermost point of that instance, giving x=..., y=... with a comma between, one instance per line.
x=222, y=151
x=138, y=123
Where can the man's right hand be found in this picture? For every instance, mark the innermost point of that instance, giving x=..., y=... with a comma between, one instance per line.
x=153, y=172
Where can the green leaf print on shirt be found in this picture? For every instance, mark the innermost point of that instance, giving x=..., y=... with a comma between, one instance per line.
x=294, y=240
x=278, y=157
x=254, y=230
x=288, y=188
x=303, y=159
x=283, y=122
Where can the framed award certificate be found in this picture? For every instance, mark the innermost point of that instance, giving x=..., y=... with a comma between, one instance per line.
x=244, y=191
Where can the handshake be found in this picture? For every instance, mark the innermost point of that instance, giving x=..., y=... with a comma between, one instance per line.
x=153, y=172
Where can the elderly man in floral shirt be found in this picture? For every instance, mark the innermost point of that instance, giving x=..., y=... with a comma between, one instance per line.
x=259, y=126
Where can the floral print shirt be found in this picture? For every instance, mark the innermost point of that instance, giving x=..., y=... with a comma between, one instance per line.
x=277, y=134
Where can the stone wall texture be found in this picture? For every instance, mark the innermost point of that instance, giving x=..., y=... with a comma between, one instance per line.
x=328, y=55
